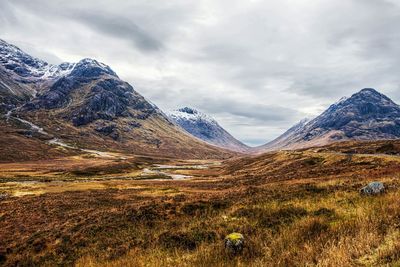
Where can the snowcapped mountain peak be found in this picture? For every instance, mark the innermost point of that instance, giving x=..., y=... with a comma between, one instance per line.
x=12, y=50
x=191, y=114
x=88, y=68
x=369, y=91
x=188, y=110
x=22, y=65
x=89, y=62
x=371, y=95
x=28, y=69
x=205, y=128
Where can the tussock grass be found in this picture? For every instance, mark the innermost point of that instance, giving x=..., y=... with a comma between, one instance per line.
x=339, y=229
x=300, y=213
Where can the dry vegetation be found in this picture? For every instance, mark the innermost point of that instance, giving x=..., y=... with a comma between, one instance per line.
x=299, y=208
x=15, y=146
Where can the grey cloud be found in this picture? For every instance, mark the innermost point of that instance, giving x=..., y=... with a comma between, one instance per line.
x=6, y=14
x=102, y=21
x=121, y=28
x=257, y=66
x=249, y=112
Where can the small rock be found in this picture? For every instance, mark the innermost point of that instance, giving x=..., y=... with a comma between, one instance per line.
x=3, y=196
x=234, y=242
x=373, y=188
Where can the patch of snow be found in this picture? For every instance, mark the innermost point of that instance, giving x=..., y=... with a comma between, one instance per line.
x=8, y=115
x=190, y=114
x=341, y=100
x=30, y=69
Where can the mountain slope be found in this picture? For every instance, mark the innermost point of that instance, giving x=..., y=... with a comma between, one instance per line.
x=86, y=105
x=286, y=138
x=366, y=115
x=22, y=76
x=206, y=128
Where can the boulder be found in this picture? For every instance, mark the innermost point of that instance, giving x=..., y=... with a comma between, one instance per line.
x=374, y=188
x=234, y=242
x=3, y=196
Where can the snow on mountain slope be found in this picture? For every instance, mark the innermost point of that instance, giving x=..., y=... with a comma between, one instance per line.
x=205, y=128
x=25, y=68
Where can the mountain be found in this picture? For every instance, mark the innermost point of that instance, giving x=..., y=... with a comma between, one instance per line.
x=206, y=128
x=22, y=76
x=366, y=115
x=84, y=105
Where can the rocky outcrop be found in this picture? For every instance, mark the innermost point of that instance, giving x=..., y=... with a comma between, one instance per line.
x=374, y=188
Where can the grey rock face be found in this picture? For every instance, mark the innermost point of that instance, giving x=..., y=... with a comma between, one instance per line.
x=12, y=93
x=107, y=98
x=109, y=129
x=56, y=97
x=374, y=188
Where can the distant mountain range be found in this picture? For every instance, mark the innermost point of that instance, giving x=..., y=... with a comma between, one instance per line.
x=82, y=105
x=206, y=128
x=47, y=107
x=366, y=115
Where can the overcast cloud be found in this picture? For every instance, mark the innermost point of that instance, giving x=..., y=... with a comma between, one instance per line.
x=257, y=66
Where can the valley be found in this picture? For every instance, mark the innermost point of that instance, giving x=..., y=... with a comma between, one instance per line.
x=96, y=210
x=94, y=174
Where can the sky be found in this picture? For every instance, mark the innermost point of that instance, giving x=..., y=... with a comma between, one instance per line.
x=257, y=67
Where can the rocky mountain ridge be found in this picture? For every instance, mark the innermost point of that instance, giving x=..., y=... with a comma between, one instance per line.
x=366, y=115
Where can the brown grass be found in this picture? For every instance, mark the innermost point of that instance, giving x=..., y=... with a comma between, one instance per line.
x=298, y=208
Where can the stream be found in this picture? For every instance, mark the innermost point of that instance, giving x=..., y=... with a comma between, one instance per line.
x=56, y=141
